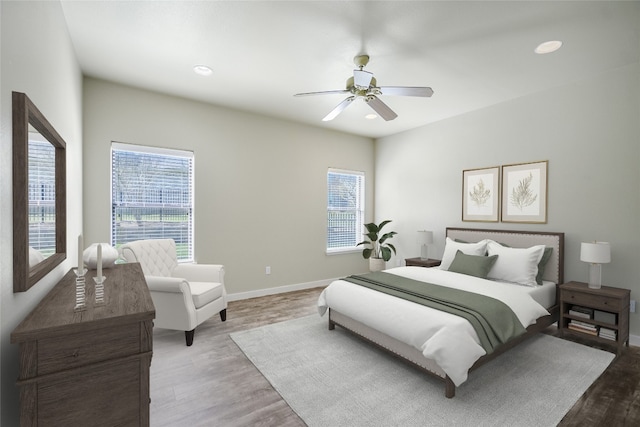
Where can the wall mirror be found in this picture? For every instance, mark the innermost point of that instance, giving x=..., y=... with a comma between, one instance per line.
x=39, y=195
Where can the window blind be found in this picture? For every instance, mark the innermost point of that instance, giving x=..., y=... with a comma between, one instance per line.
x=152, y=196
x=42, y=196
x=345, y=209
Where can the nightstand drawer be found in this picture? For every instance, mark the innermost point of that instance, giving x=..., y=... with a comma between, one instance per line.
x=594, y=301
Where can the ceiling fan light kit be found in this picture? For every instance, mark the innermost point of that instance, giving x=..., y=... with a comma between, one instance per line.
x=548, y=47
x=202, y=70
x=363, y=85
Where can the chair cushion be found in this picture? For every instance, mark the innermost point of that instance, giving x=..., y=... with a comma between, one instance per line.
x=205, y=292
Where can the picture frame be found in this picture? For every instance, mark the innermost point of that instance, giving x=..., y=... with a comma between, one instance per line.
x=524, y=192
x=481, y=194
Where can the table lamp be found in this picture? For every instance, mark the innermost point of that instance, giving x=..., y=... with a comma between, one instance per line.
x=425, y=238
x=596, y=254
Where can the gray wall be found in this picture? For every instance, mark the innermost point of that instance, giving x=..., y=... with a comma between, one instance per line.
x=589, y=132
x=260, y=183
x=41, y=64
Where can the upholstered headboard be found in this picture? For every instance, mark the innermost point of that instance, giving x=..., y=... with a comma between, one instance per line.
x=554, y=272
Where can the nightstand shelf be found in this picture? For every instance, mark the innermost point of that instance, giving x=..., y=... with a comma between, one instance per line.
x=608, y=309
x=421, y=262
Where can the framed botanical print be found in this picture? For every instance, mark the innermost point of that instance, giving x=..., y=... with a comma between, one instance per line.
x=524, y=192
x=481, y=194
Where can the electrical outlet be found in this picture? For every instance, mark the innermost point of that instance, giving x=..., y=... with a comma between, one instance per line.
x=632, y=306
x=267, y=270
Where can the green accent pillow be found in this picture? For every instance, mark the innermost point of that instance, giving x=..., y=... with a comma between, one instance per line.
x=543, y=263
x=472, y=265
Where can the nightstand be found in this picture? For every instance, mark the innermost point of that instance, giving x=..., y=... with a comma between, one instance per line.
x=420, y=262
x=599, y=315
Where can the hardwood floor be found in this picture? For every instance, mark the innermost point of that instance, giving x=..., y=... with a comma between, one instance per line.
x=614, y=399
x=212, y=383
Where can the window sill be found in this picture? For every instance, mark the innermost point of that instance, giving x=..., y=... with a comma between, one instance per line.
x=342, y=251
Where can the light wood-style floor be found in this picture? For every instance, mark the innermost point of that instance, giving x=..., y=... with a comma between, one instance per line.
x=212, y=383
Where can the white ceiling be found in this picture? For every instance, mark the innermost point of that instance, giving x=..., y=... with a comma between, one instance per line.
x=472, y=53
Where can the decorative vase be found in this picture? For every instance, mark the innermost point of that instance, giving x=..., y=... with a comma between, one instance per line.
x=109, y=256
x=377, y=264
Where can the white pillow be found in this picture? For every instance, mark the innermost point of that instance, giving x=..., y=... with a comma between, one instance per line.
x=518, y=265
x=451, y=247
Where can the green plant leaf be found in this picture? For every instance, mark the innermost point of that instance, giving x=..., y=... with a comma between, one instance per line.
x=372, y=227
x=387, y=236
x=392, y=247
x=383, y=223
x=366, y=253
x=386, y=253
x=372, y=236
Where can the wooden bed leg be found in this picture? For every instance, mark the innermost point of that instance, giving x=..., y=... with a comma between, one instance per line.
x=449, y=388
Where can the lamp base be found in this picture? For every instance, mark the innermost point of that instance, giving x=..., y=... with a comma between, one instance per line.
x=595, y=276
x=424, y=252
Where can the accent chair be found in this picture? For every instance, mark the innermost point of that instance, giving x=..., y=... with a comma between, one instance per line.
x=185, y=295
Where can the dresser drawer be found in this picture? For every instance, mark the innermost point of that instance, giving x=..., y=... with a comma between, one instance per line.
x=83, y=348
x=108, y=395
x=599, y=302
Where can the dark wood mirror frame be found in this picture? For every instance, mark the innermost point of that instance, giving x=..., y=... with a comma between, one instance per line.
x=25, y=113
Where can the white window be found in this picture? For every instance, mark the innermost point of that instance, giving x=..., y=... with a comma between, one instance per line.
x=345, y=210
x=152, y=196
x=42, y=195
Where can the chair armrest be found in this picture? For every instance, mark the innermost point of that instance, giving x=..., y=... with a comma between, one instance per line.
x=173, y=301
x=174, y=285
x=200, y=272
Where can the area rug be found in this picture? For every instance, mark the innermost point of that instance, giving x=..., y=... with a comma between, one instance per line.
x=332, y=378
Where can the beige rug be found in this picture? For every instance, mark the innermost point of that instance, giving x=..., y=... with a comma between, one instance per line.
x=331, y=378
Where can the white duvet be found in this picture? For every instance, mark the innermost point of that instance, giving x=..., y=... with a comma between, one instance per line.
x=447, y=339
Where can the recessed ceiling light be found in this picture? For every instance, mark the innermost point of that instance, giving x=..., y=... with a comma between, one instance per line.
x=548, y=47
x=203, y=70
x=371, y=116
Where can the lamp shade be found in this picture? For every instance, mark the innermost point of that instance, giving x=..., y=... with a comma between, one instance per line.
x=425, y=237
x=595, y=252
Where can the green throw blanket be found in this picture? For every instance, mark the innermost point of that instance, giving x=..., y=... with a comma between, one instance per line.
x=494, y=322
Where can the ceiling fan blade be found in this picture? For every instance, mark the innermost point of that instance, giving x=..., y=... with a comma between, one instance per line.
x=406, y=91
x=334, y=113
x=362, y=78
x=327, y=92
x=380, y=108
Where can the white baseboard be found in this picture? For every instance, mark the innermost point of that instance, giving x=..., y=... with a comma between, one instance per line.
x=278, y=290
x=634, y=340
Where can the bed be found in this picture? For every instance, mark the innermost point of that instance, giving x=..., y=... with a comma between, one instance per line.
x=445, y=345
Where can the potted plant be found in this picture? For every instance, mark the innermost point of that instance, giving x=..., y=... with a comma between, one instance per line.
x=379, y=251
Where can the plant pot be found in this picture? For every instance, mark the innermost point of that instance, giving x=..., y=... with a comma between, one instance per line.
x=377, y=264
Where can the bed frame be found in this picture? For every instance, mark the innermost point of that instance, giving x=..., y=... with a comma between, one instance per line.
x=554, y=272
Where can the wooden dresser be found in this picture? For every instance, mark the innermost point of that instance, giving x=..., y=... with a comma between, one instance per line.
x=89, y=367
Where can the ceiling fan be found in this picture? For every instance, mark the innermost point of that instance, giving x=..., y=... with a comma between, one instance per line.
x=363, y=85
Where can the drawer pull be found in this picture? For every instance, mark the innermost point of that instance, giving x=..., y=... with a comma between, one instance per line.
x=76, y=353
